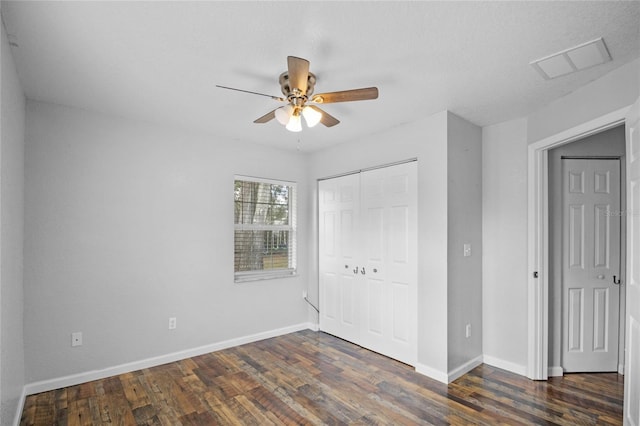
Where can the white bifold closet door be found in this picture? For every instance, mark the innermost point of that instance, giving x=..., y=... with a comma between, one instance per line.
x=368, y=259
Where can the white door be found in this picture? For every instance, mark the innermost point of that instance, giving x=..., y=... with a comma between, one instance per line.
x=368, y=259
x=338, y=207
x=591, y=264
x=388, y=215
x=632, y=356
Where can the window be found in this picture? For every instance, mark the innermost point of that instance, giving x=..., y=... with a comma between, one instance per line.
x=265, y=229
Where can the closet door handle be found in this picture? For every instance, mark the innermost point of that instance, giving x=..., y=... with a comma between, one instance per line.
x=363, y=271
x=355, y=271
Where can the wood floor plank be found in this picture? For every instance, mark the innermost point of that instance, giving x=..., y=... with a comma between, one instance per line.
x=312, y=378
x=282, y=407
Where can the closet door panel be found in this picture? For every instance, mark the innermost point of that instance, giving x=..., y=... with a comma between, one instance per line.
x=375, y=306
x=389, y=206
x=400, y=300
x=373, y=227
x=337, y=256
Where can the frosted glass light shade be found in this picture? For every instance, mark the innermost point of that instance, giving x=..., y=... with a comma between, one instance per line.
x=294, y=124
x=311, y=116
x=283, y=114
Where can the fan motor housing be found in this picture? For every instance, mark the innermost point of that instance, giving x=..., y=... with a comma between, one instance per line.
x=287, y=90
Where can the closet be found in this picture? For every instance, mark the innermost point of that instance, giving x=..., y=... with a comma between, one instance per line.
x=368, y=259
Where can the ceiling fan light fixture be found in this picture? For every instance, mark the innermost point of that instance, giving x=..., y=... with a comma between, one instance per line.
x=297, y=84
x=295, y=123
x=284, y=114
x=311, y=116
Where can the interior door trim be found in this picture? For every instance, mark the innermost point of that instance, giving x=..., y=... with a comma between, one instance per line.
x=537, y=241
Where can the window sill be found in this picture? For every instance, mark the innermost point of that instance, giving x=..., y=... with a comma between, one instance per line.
x=260, y=276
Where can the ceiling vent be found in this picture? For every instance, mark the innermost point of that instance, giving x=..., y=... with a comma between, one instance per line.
x=573, y=59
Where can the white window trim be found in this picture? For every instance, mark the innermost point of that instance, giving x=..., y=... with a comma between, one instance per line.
x=269, y=274
x=241, y=277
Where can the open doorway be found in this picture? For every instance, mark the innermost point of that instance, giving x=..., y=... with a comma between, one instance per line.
x=586, y=254
x=538, y=241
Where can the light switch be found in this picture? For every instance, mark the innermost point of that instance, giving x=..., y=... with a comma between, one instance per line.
x=467, y=250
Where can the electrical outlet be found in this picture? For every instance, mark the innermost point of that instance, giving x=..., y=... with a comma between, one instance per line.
x=76, y=338
x=467, y=331
x=304, y=294
x=173, y=323
x=467, y=250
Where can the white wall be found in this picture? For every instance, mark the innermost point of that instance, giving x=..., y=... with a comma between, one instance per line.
x=425, y=140
x=128, y=224
x=504, y=232
x=615, y=90
x=12, y=125
x=428, y=141
x=464, y=212
x=505, y=272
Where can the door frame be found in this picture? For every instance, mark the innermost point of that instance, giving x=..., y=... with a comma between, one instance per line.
x=538, y=241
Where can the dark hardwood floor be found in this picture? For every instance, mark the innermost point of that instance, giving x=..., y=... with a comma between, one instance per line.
x=314, y=378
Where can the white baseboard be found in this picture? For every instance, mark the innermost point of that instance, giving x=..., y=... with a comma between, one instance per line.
x=432, y=373
x=75, y=379
x=559, y=371
x=20, y=408
x=468, y=366
x=464, y=368
x=449, y=377
x=505, y=365
x=555, y=371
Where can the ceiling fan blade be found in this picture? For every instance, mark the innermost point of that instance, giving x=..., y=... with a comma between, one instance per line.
x=277, y=98
x=298, y=73
x=267, y=117
x=346, y=95
x=327, y=120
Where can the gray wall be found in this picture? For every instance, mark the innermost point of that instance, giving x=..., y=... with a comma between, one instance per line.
x=505, y=273
x=448, y=150
x=504, y=232
x=128, y=224
x=425, y=140
x=464, y=212
x=607, y=143
x=12, y=377
x=615, y=90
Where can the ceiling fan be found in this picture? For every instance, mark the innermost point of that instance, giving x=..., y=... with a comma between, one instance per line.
x=297, y=85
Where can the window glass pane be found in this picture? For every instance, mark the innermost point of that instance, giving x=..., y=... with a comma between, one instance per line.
x=261, y=250
x=261, y=203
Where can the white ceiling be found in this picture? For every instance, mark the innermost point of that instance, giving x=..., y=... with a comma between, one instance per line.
x=160, y=61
